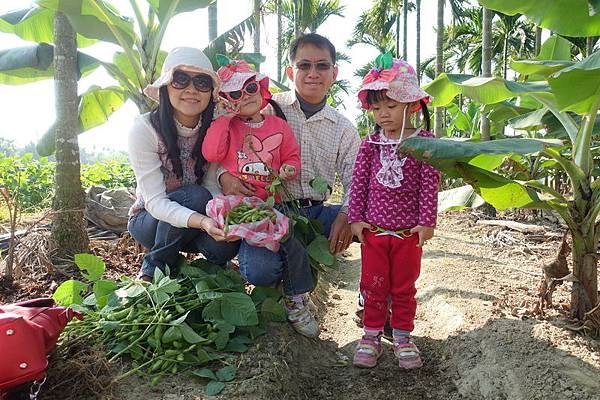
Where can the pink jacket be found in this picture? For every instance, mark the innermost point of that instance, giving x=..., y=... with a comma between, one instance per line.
x=248, y=152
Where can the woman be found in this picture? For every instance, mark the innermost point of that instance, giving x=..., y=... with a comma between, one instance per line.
x=174, y=181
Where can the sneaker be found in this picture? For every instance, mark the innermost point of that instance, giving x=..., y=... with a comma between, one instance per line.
x=368, y=352
x=407, y=353
x=301, y=318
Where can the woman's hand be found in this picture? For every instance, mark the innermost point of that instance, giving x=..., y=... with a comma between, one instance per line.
x=234, y=185
x=425, y=233
x=357, y=229
x=208, y=225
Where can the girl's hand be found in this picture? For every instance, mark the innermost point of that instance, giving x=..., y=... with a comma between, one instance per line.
x=233, y=185
x=425, y=233
x=357, y=229
x=287, y=172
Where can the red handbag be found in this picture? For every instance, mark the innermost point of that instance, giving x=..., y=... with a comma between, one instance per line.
x=29, y=330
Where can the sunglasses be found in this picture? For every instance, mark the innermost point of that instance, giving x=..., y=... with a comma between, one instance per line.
x=319, y=65
x=249, y=88
x=181, y=80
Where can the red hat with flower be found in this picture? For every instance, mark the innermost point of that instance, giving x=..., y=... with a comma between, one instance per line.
x=397, y=77
x=235, y=73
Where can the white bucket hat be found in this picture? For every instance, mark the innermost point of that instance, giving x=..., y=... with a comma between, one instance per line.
x=190, y=58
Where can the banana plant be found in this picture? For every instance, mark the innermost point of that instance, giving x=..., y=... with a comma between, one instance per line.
x=569, y=92
x=136, y=64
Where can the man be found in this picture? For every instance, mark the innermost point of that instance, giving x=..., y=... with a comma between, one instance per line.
x=328, y=140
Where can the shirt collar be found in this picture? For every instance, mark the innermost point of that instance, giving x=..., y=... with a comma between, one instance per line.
x=289, y=99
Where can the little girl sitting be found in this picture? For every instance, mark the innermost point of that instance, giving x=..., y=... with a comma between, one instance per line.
x=248, y=144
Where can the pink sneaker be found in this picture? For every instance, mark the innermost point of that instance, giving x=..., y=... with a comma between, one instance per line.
x=368, y=352
x=407, y=354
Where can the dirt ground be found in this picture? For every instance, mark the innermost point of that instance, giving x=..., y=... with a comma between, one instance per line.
x=477, y=336
x=473, y=327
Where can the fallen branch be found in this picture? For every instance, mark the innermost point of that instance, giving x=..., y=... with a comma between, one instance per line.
x=516, y=226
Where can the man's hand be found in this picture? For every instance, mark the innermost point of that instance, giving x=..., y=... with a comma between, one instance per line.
x=341, y=235
x=425, y=233
x=234, y=185
x=357, y=229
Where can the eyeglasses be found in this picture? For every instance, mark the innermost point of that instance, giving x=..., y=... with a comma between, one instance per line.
x=249, y=88
x=319, y=65
x=181, y=80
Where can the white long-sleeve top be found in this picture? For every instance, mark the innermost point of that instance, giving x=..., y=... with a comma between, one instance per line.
x=145, y=149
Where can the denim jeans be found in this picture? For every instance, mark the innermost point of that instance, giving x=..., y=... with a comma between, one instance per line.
x=290, y=264
x=166, y=241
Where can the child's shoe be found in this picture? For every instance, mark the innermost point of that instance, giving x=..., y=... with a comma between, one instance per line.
x=407, y=353
x=368, y=352
x=300, y=316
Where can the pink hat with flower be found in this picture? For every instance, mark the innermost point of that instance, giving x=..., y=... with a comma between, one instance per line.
x=234, y=73
x=397, y=77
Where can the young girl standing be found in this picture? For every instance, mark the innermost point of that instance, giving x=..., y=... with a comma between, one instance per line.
x=393, y=206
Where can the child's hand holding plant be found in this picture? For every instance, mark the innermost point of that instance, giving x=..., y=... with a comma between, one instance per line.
x=287, y=172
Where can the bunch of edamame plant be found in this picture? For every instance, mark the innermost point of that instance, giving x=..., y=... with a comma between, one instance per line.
x=244, y=213
x=176, y=324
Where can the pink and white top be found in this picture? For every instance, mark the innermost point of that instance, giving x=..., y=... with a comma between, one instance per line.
x=392, y=195
x=248, y=150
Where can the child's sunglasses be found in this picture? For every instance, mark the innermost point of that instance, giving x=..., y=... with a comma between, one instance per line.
x=249, y=88
x=181, y=80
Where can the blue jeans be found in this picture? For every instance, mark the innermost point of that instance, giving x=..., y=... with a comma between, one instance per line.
x=290, y=264
x=166, y=241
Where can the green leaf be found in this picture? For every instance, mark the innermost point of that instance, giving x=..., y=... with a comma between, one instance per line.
x=260, y=293
x=102, y=289
x=555, y=48
x=26, y=64
x=565, y=17
x=238, y=309
x=212, y=311
x=162, y=7
x=445, y=154
x=320, y=185
x=227, y=373
x=544, y=68
x=318, y=249
x=529, y=121
x=221, y=340
x=69, y=293
x=272, y=310
x=205, y=373
x=502, y=193
x=214, y=387
x=96, y=20
x=483, y=90
x=577, y=87
x=97, y=105
x=90, y=266
x=172, y=334
x=35, y=24
x=189, y=335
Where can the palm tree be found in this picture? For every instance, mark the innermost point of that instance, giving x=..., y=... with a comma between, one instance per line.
x=486, y=64
x=439, y=63
x=418, y=50
x=212, y=21
x=405, y=30
x=69, y=235
x=256, y=37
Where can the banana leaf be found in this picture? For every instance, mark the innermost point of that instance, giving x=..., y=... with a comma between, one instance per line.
x=565, y=17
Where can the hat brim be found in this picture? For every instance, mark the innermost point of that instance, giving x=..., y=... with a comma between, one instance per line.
x=401, y=95
x=152, y=90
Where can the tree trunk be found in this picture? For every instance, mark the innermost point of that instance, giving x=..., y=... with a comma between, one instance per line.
x=589, y=46
x=212, y=21
x=398, y=30
x=69, y=235
x=538, y=40
x=584, y=296
x=257, y=30
x=405, y=30
x=418, y=55
x=279, y=40
x=439, y=64
x=297, y=6
x=486, y=64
